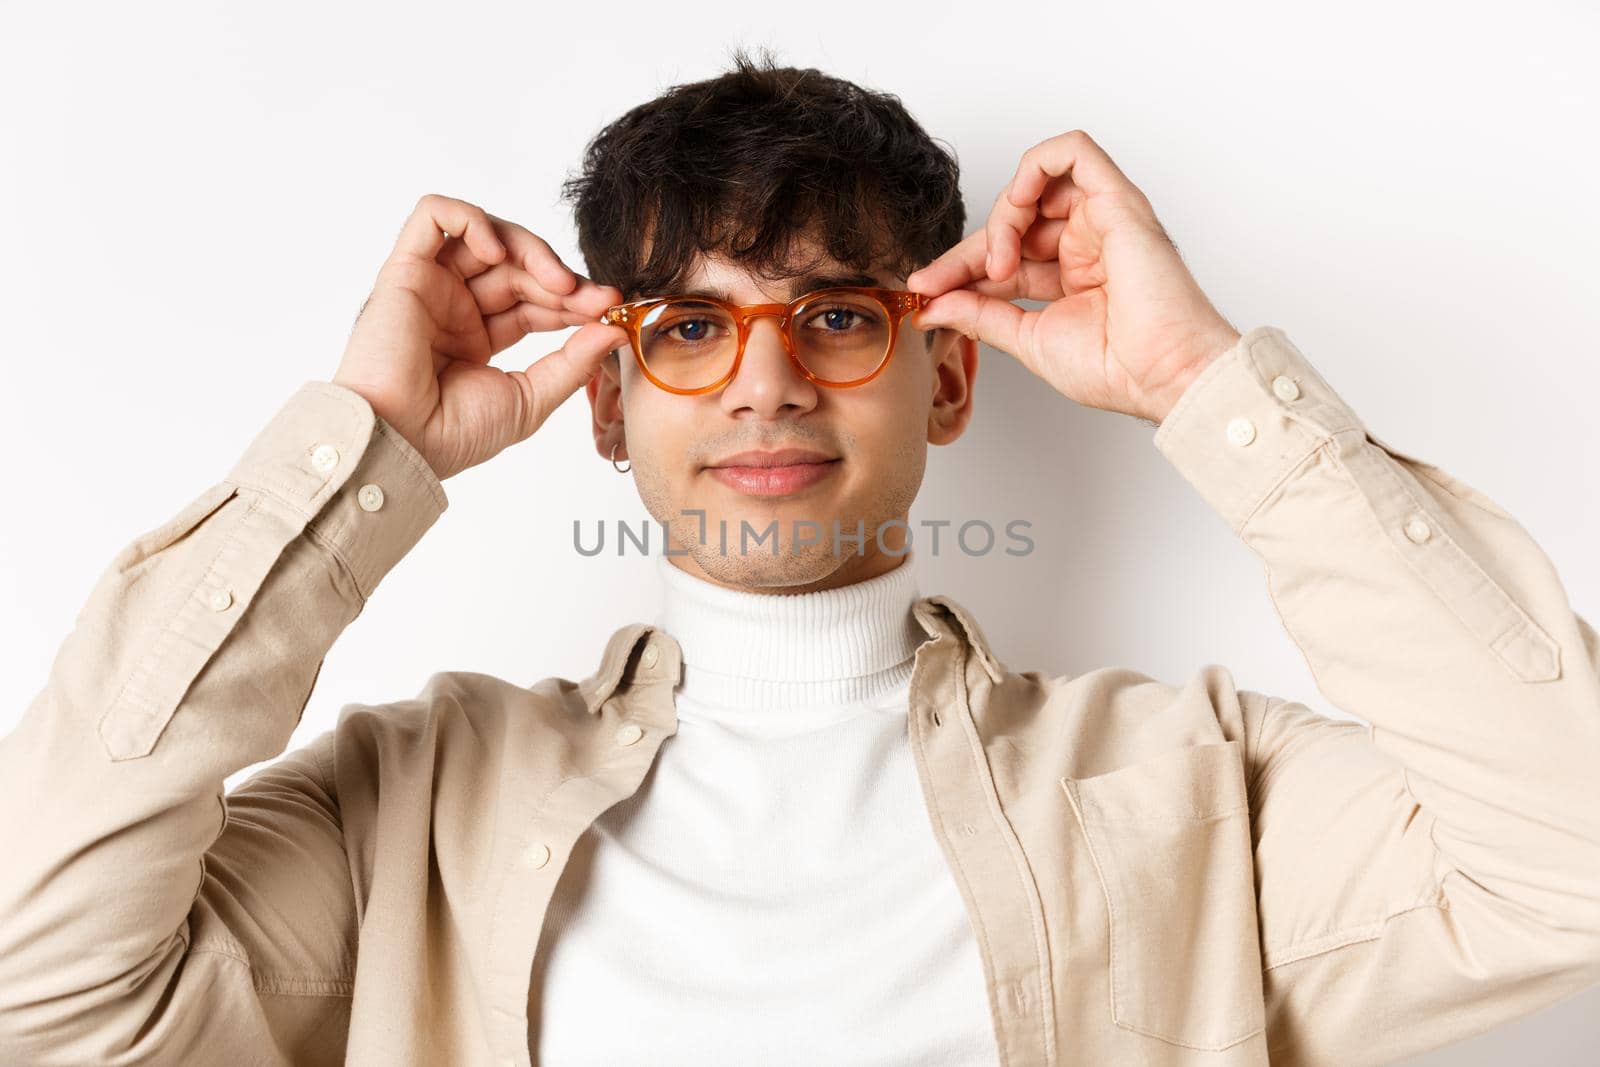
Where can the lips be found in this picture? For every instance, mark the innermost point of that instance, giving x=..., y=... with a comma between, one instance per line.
x=777, y=473
x=783, y=457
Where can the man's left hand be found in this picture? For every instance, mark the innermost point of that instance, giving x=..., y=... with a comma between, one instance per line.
x=1127, y=327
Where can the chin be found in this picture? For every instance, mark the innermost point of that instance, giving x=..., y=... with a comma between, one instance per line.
x=760, y=569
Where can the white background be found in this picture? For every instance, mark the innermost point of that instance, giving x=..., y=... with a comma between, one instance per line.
x=198, y=200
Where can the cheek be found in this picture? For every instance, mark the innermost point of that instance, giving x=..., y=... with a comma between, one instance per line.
x=659, y=443
x=891, y=445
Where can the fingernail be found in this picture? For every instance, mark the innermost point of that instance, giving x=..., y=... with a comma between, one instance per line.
x=988, y=263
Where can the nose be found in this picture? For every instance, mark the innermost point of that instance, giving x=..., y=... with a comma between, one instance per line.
x=767, y=383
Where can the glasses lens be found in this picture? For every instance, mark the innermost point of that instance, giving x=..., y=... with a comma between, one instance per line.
x=841, y=337
x=688, y=344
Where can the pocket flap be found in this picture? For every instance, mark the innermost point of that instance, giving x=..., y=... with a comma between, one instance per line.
x=1193, y=782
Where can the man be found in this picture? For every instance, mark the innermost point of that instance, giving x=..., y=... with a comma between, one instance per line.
x=806, y=816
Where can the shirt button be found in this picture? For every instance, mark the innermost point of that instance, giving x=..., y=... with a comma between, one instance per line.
x=325, y=458
x=628, y=734
x=650, y=656
x=538, y=855
x=370, y=497
x=1284, y=387
x=1241, y=431
x=1418, y=530
x=220, y=600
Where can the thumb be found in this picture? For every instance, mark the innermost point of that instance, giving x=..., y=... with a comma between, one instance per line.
x=551, y=378
x=995, y=322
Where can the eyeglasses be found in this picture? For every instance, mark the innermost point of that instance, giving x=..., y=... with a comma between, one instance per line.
x=839, y=337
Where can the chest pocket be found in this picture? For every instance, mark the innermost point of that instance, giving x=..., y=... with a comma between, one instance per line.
x=1171, y=843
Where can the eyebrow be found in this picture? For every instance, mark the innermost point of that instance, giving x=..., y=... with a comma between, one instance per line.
x=797, y=286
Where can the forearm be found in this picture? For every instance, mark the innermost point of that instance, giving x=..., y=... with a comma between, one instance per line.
x=1421, y=607
x=192, y=659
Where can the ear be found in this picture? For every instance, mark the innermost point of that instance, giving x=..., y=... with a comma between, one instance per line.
x=955, y=369
x=605, y=405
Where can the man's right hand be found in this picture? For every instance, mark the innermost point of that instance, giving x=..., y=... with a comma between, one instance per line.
x=460, y=286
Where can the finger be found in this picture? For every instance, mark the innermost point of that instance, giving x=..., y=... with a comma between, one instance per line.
x=506, y=284
x=1059, y=174
x=505, y=328
x=557, y=284
x=1006, y=224
x=592, y=299
x=962, y=266
x=436, y=219
x=1043, y=239
x=533, y=254
x=989, y=319
x=1040, y=276
x=1042, y=181
x=1037, y=280
x=552, y=378
x=564, y=287
x=1073, y=154
x=525, y=251
x=1060, y=198
x=952, y=268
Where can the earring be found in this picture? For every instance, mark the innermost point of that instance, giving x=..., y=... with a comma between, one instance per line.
x=620, y=470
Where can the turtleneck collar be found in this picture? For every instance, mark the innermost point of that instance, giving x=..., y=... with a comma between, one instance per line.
x=852, y=644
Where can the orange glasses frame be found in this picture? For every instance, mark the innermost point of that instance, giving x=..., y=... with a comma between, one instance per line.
x=896, y=303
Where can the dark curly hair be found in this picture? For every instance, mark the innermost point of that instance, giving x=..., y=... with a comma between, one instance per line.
x=742, y=164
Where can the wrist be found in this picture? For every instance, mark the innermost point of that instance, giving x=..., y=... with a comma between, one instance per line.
x=386, y=413
x=1205, y=351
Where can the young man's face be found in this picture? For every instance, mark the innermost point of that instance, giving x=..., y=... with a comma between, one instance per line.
x=874, y=436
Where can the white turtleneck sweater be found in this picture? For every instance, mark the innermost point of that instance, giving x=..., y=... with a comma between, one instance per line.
x=773, y=893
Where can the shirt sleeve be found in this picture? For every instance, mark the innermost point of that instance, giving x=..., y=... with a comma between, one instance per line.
x=145, y=916
x=1437, y=872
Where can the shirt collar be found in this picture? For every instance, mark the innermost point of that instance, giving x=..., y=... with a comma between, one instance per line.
x=624, y=655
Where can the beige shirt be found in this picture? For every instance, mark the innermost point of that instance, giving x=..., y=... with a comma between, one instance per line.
x=1156, y=873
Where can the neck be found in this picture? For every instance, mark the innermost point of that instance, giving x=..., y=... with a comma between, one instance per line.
x=847, y=643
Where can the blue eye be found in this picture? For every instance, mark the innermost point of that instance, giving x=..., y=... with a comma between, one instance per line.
x=832, y=315
x=705, y=326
